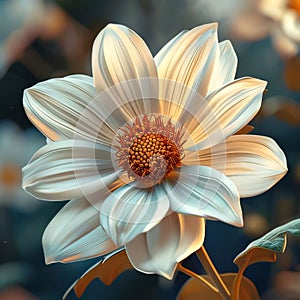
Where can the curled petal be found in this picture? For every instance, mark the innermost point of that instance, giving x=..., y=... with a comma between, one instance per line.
x=119, y=55
x=124, y=72
x=169, y=47
x=204, y=192
x=172, y=240
x=254, y=163
x=129, y=211
x=75, y=234
x=225, y=111
x=188, y=59
x=67, y=169
x=56, y=105
x=225, y=68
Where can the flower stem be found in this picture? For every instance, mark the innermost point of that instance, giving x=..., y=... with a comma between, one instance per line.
x=213, y=273
x=190, y=273
x=238, y=280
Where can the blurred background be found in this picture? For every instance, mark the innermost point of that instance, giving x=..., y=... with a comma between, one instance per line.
x=45, y=39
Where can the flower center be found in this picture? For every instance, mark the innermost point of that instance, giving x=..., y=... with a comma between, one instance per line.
x=149, y=149
x=10, y=175
x=295, y=5
x=153, y=153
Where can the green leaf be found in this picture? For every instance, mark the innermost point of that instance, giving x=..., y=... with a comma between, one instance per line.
x=107, y=270
x=194, y=289
x=266, y=247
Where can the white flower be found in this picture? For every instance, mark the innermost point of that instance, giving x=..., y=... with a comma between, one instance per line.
x=16, y=148
x=278, y=18
x=145, y=149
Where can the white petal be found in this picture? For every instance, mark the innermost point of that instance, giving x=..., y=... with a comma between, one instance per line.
x=172, y=240
x=119, y=54
x=169, y=47
x=75, y=234
x=55, y=106
x=129, y=211
x=68, y=169
x=187, y=60
x=254, y=163
x=225, y=111
x=225, y=69
x=124, y=71
x=204, y=192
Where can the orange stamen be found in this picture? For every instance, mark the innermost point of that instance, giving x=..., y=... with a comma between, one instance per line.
x=149, y=148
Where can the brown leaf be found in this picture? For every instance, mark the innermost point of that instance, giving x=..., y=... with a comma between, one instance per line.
x=106, y=270
x=265, y=249
x=246, y=129
x=292, y=73
x=253, y=256
x=195, y=289
x=114, y=266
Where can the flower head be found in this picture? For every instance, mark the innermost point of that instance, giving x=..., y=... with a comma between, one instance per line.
x=146, y=148
x=149, y=149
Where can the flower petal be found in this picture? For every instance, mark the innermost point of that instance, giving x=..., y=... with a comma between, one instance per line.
x=225, y=111
x=204, y=192
x=68, y=169
x=124, y=70
x=129, y=211
x=225, y=69
x=172, y=240
x=55, y=106
x=187, y=60
x=75, y=234
x=254, y=163
x=119, y=54
x=169, y=47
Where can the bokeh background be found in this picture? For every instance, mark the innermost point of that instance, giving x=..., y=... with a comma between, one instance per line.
x=45, y=39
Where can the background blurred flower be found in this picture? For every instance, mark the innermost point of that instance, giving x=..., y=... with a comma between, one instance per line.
x=16, y=292
x=17, y=146
x=19, y=20
x=278, y=18
x=22, y=22
x=285, y=286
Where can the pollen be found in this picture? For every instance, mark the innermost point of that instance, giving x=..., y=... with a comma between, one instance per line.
x=149, y=148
